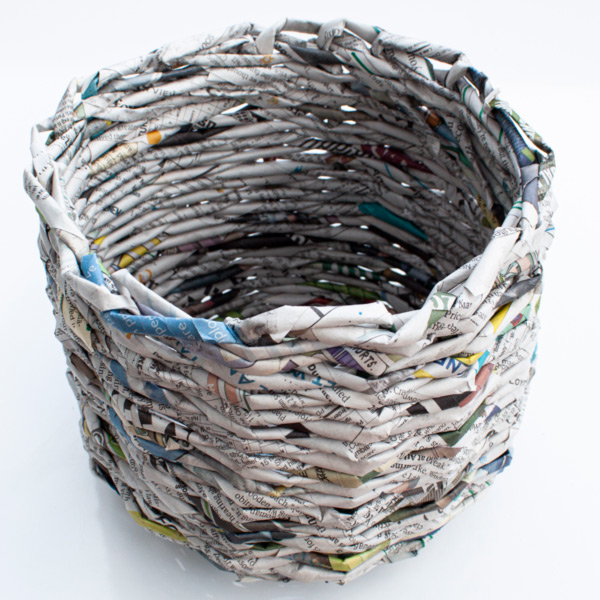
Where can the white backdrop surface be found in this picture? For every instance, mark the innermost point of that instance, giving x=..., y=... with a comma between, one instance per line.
x=65, y=534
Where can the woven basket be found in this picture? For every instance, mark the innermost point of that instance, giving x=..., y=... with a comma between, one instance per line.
x=296, y=273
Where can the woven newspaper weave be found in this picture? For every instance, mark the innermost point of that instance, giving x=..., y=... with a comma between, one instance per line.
x=296, y=273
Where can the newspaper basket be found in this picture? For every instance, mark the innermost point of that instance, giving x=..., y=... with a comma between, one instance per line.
x=296, y=272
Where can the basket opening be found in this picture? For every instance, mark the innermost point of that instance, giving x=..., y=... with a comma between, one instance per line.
x=304, y=197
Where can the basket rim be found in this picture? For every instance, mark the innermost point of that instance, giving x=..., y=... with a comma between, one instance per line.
x=85, y=272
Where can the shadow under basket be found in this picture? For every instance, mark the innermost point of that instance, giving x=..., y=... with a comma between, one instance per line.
x=296, y=273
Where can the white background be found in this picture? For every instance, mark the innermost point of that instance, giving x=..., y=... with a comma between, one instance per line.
x=64, y=534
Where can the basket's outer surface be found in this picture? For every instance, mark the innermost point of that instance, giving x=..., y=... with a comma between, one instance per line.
x=296, y=273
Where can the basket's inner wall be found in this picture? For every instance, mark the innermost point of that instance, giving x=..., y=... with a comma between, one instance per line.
x=292, y=191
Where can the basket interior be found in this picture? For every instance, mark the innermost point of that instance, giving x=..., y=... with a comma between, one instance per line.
x=296, y=192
